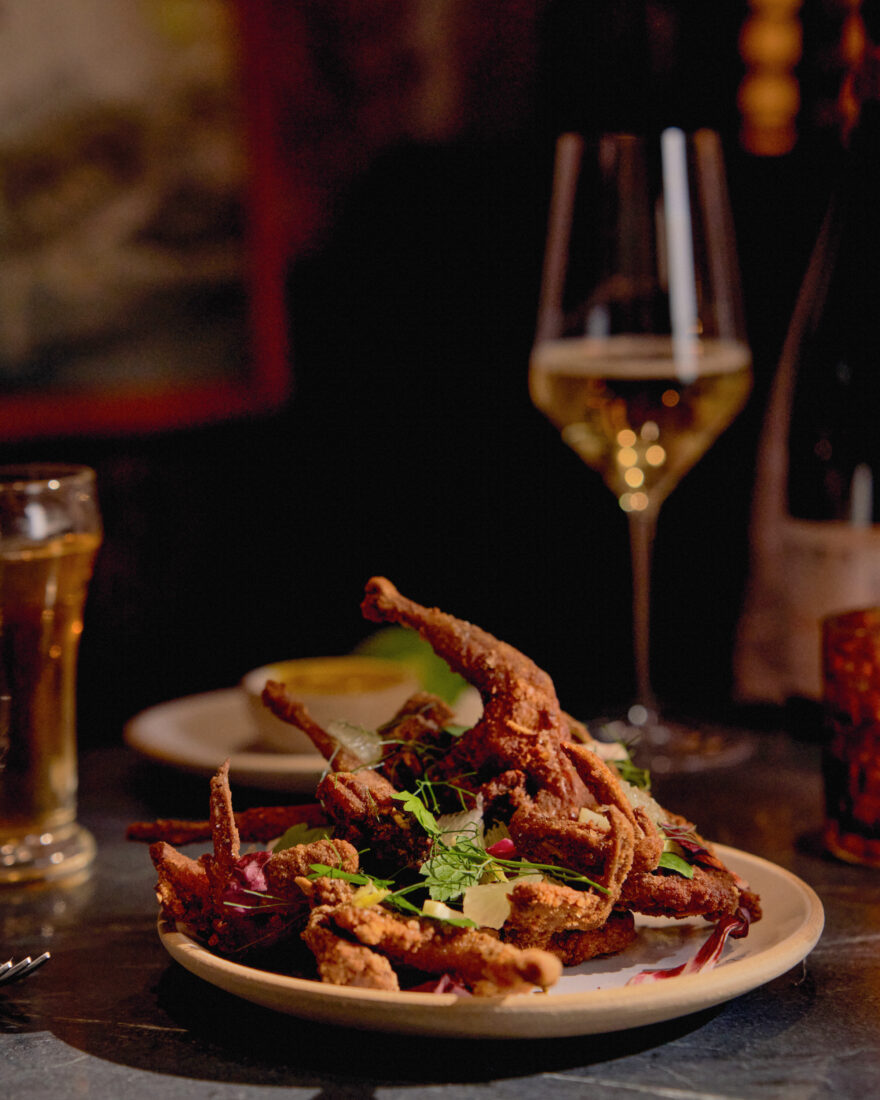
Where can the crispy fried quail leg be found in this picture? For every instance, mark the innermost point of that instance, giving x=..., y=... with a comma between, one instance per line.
x=283, y=705
x=522, y=723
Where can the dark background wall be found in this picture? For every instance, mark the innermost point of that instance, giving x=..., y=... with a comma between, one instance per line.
x=409, y=446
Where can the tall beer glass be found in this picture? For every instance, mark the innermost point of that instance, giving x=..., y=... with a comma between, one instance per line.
x=50, y=531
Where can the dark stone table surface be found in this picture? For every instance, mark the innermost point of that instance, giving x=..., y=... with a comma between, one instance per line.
x=112, y=1016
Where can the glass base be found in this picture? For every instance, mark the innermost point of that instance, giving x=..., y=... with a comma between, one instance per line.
x=849, y=846
x=669, y=746
x=42, y=857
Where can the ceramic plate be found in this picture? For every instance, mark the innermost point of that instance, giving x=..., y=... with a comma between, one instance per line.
x=588, y=999
x=197, y=733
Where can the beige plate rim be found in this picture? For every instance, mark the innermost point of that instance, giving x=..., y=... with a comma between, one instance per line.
x=196, y=733
x=792, y=924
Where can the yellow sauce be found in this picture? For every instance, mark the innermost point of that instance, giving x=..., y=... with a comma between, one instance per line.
x=338, y=675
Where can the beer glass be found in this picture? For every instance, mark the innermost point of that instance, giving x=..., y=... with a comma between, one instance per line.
x=50, y=531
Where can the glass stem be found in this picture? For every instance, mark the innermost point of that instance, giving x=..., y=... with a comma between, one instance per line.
x=641, y=540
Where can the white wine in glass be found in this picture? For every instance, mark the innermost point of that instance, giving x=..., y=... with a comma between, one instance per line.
x=641, y=358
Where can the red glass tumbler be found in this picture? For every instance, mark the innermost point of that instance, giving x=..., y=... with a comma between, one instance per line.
x=851, y=752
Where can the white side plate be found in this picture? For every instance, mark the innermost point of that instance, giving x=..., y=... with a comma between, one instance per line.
x=197, y=733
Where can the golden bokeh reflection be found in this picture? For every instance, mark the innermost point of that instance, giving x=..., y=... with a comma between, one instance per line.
x=634, y=478
x=655, y=455
x=634, y=502
x=627, y=456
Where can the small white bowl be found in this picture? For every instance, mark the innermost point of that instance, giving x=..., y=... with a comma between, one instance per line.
x=365, y=691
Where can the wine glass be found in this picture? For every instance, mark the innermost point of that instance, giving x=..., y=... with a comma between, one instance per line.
x=640, y=356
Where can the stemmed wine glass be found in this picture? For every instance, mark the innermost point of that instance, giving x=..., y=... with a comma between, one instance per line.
x=640, y=356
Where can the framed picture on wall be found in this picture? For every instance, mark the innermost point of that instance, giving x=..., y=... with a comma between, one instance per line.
x=140, y=283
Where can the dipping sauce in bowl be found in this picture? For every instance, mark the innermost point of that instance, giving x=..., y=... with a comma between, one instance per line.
x=363, y=691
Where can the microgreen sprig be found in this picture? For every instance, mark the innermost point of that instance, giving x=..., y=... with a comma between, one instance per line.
x=451, y=868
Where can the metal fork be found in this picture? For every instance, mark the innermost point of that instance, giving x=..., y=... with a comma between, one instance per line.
x=10, y=971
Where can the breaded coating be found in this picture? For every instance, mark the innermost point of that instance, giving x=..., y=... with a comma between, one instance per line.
x=612, y=937
x=224, y=832
x=561, y=920
x=604, y=785
x=183, y=888
x=345, y=963
x=284, y=868
x=580, y=846
x=414, y=739
x=478, y=960
x=604, y=856
x=368, y=816
x=711, y=893
x=326, y=891
x=540, y=910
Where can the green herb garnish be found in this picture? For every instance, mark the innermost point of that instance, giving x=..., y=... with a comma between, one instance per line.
x=414, y=805
x=671, y=861
x=302, y=833
x=631, y=773
x=356, y=878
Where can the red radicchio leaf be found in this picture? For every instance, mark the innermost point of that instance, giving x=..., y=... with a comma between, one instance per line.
x=686, y=839
x=443, y=984
x=503, y=849
x=247, y=875
x=735, y=924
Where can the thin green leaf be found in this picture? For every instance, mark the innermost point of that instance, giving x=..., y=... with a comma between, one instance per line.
x=322, y=870
x=628, y=771
x=302, y=834
x=459, y=922
x=670, y=861
x=414, y=805
x=398, y=901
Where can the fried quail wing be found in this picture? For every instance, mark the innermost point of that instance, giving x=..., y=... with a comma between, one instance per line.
x=477, y=959
x=368, y=816
x=289, y=709
x=358, y=799
x=342, y=962
x=606, y=789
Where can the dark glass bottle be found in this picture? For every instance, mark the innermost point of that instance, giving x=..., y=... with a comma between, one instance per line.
x=834, y=433
x=816, y=520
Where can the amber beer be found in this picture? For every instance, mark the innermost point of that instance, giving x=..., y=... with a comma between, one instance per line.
x=49, y=536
